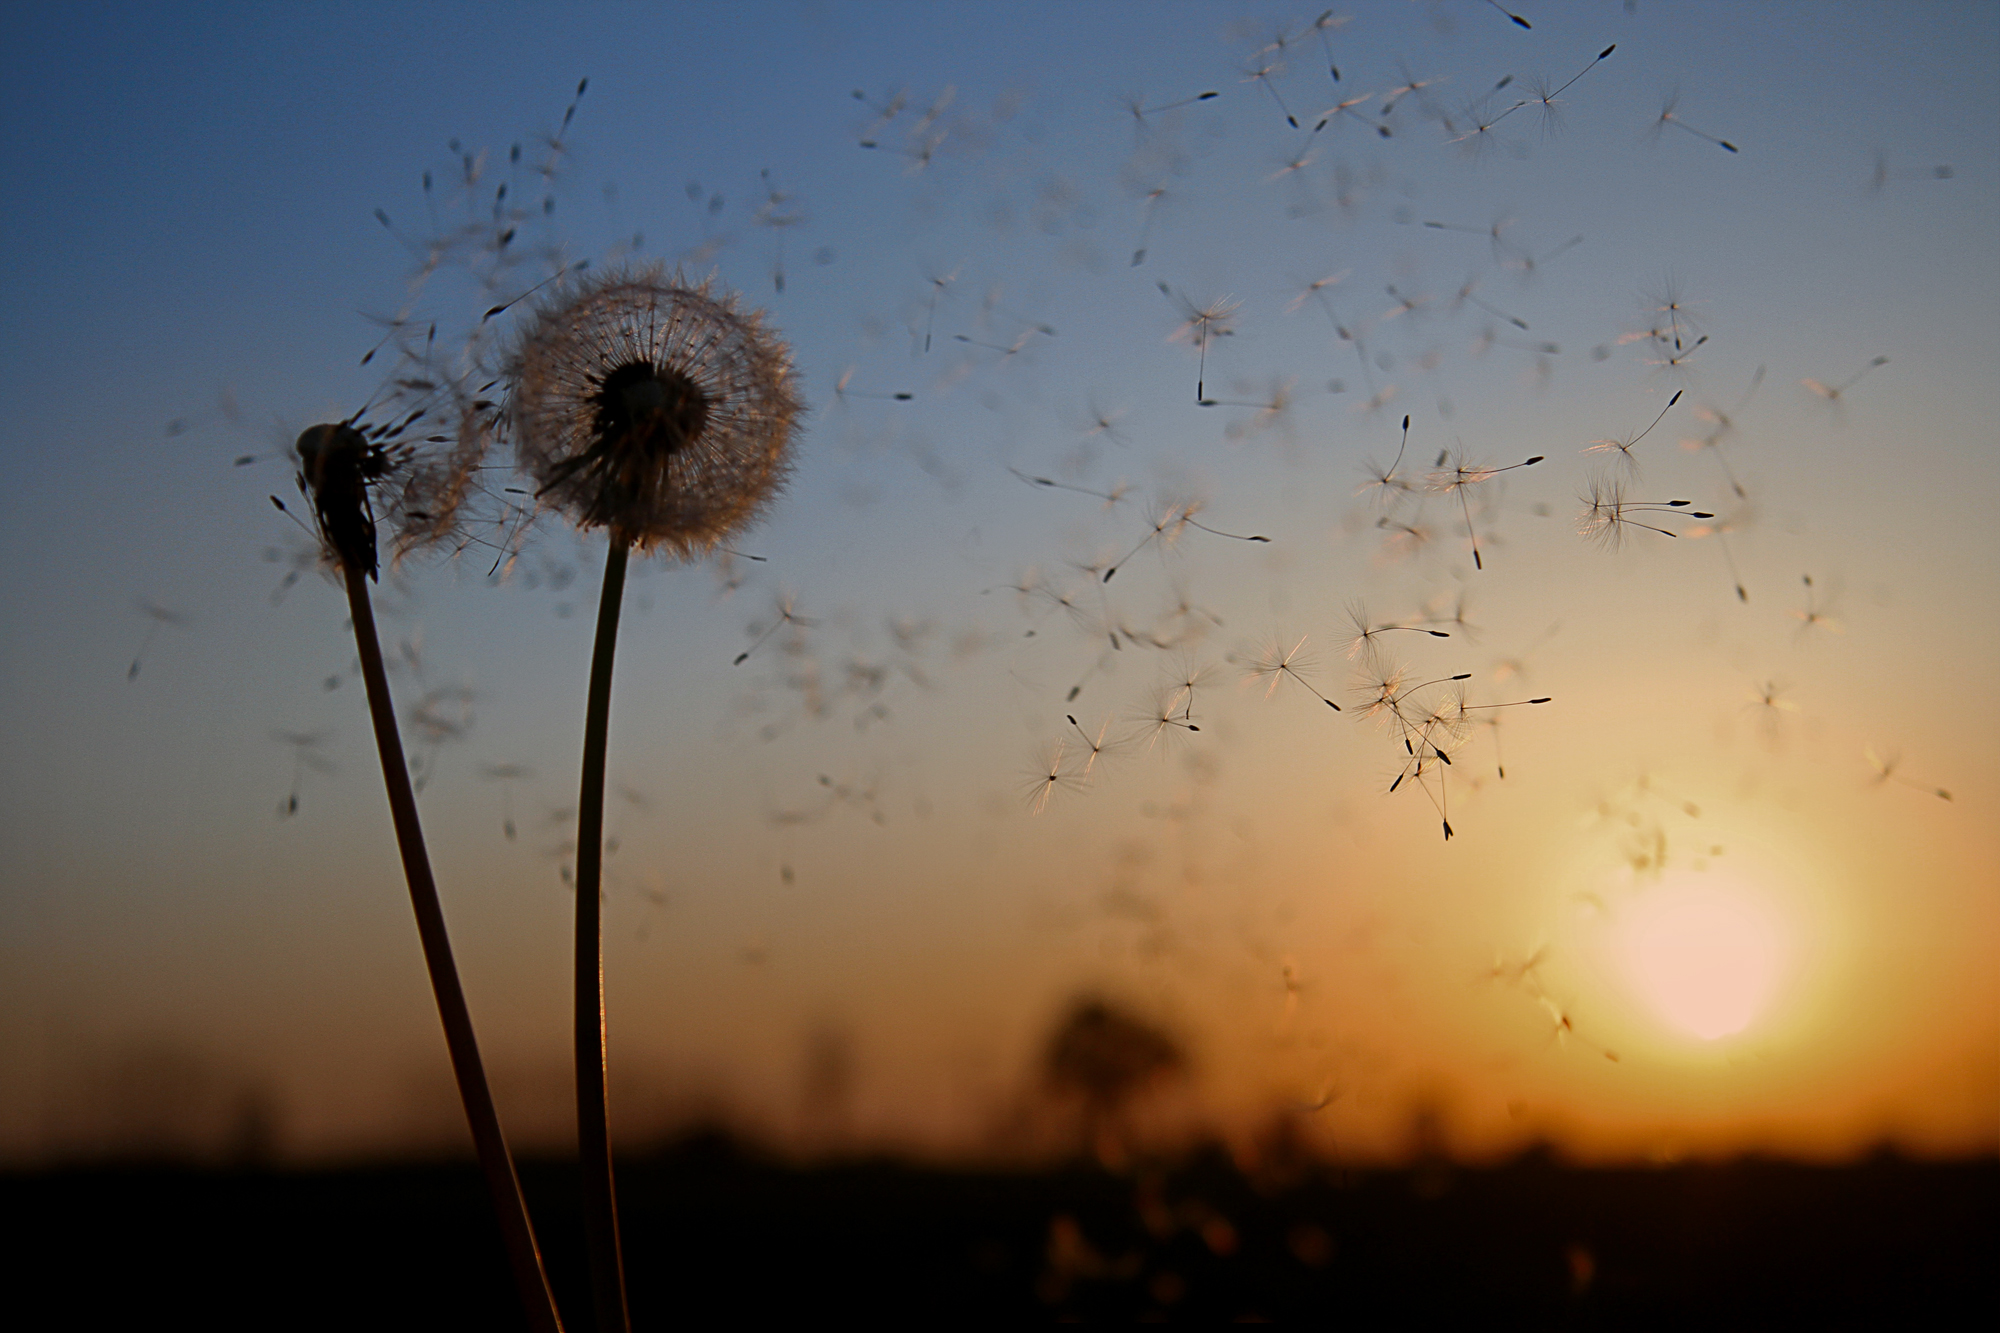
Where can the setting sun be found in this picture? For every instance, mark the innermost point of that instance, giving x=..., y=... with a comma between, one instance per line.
x=1706, y=957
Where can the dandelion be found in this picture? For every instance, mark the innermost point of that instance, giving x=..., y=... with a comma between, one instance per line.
x=1721, y=425
x=1463, y=474
x=1093, y=745
x=359, y=479
x=1277, y=662
x=663, y=413
x=1669, y=116
x=1386, y=483
x=1833, y=392
x=659, y=411
x=1814, y=615
x=1608, y=513
x=1885, y=772
x=1052, y=770
x=1201, y=323
x=1362, y=642
x=1624, y=444
x=1168, y=524
x=156, y=616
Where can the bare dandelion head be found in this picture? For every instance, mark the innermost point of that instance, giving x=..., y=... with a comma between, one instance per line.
x=662, y=411
x=408, y=475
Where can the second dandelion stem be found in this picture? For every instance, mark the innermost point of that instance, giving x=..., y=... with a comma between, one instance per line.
x=593, y=1125
x=502, y=1184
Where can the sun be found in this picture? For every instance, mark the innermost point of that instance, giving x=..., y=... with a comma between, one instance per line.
x=1706, y=956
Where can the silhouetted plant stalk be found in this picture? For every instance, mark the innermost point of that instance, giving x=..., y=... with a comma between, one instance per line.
x=593, y=1109
x=664, y=414
x=338, y=463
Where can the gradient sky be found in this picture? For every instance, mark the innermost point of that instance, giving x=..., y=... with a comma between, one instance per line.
x=834, y=842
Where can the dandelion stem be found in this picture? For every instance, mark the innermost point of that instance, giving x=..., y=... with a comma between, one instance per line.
x=593, y=1127
x=530, y=1280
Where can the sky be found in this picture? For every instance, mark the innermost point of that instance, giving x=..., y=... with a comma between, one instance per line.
x=1715, y=904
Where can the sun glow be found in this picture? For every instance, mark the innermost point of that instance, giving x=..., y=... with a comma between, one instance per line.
x=1707, y=957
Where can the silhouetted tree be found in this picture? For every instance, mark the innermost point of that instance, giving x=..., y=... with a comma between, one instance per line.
x=1104, y=1059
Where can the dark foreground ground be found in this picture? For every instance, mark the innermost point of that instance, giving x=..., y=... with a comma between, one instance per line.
x=719, y=1237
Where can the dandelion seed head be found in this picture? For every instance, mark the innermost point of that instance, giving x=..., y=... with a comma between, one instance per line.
x=660, y=410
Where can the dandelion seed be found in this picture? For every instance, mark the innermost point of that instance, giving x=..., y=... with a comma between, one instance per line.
x=1147, y=208
x=1720, y=528
x=1668, y=117
x=1200, y=325
x=1163, y=718
x=1410, y=84
x=1168, y=524
x=841, y=392
x=1608, y=513
x=1833, y=392
x=1387, y=484
x=1545, y=97
x=1884, y=173
x=787, y=615
x=1624, y=445
x=506, y=775
x=1458, y=478
x=1094, y=745
x=1322, y=25
x=1467, y=295
x=1052, y=772
x=1885, y=772
x=307, y=753
x=1111, y=497
x=1813, y=616
x=156, y=616
x=1722, y=424
x=1362, y=643
x=1261, y=76
x=1349, y=108
x=1279, y=663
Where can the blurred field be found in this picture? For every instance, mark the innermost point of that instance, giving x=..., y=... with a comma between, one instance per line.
x=715, y=1232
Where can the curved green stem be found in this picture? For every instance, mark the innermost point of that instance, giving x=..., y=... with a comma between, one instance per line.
x=530, y=1280
x=593, y=1124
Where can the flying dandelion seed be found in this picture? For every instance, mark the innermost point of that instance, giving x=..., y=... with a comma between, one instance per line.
x=1835, y=393
x=1624, y=444
x=1278, y=663
x=1200, y=325
x=1609, y=514
x=1886, y=772
x=1460, y=477
x=1669, y=116
x=156, y=616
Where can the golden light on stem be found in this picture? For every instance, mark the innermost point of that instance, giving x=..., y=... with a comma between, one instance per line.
x=1706, y=956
